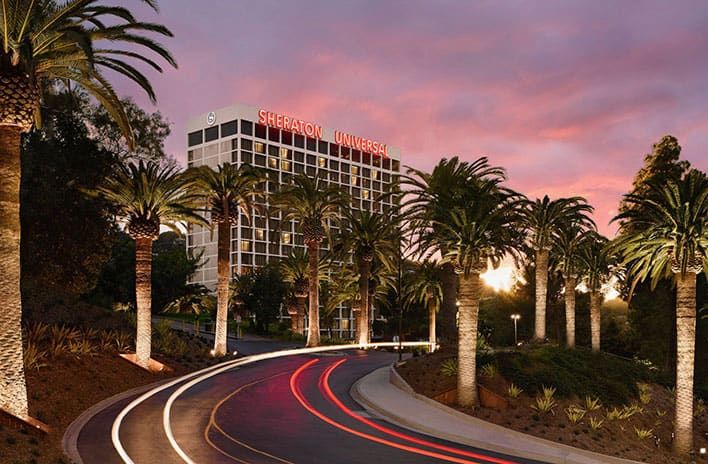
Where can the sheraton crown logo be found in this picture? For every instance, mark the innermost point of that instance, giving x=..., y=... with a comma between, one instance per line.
x=309, y=129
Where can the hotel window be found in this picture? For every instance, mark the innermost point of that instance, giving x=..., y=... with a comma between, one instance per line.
x=234, y=157
x=333, y=149
x=246, y=258
x=322, y=162
x=285, y=165
x=345, y=178
x=211, y=133
x=246, y=144
x=311, y=144
x=299, y=239
x=322, y=147
x=356, y=156
x=355, y=180
x=299, y=141
x=386, y=177
x=245, y=245
x=333, y=176
x=395, y=165
x=246, y=127
x=273, y=150
x=272, y=163
x=234, y=144
x=311, y=159
x=366, y=172
x=246, y=157
x=299, y=157
x=375, y=174
x=333, y=164
x=356, y=192
x=260, y=147
x=273, y=248
x=260, y=247
x=285, y=153
x=299, y=168
x=287, y=137
x=260, y=160
x=195, y=138
x=366, y=157
x=366, y=183
x=286, y=237
x=355, y=170
x=229, y=128
x=310, y=170
x=365, y=194
x=260, y=260
x=260, y=131
x=344, y=152
x=273, y=134
x=260, y=234
x=377, y=161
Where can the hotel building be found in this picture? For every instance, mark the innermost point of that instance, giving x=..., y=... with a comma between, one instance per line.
x=284, y=147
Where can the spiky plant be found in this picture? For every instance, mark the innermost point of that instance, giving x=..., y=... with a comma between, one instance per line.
x=664, y=233
x=43, y=41
x=312, y=206
x=424, y=285
x=544, y=218
x=146, y=196
x=228, y=192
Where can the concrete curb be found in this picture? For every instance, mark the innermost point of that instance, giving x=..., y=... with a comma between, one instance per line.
x=564, y=454
x=69, y=441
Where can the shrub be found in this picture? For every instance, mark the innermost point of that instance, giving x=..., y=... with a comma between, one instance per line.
x=449, y=367
x=592, y=404
x=643, y=434
x=574, y=413
x=596, y=424
x=489, y=370
x=545, y=403
x=644, y=393
x=513, y=391
x=34, y=357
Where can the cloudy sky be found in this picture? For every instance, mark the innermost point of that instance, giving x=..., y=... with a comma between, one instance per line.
x=567, y=95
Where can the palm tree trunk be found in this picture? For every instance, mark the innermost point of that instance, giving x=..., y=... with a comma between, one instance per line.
x=467, y=340
x=143, y=297
x=301, y=305
x=431, y=324
x=595, y=304
x=363, y=321
x=448, y=308
x=685, y=358
x=13, y=390
x=570, y=283
x=313, y=331
x=222, y=288
x=539, y=333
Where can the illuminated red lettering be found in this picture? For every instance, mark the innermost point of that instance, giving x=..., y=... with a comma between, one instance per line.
x=262, y=114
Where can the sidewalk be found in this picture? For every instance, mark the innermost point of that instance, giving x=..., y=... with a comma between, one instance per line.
x=385, y=394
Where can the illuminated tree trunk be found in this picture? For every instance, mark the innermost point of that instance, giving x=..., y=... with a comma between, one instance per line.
x=448, y=308
x=143, y=297
x=222, y=287
x=13, y=390
x=570, y=283
x=539, y=333
x=313, y=330
x=363, y=320
x=431, y=323
x=469, y=293
x=595, y=304
x=685, y=358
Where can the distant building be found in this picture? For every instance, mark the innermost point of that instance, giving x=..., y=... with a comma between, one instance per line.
x=284, y=146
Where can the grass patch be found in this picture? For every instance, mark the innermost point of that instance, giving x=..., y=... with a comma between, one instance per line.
x=577, y=372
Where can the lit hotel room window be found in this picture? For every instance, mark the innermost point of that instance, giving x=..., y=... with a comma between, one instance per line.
x=286, y=238
x=375, y=174
x=245, y=245
x=259, y=147
x=355, y=180
x=285, y=165
x=355, y=170
x=323, y=162
x=260, y=234
x=284, y=153
x=272, y=163
x=365, y=194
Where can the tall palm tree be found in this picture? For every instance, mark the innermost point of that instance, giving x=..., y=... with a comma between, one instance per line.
x=425, y=286
x=146, y=196
x=568, y=242
x=42, y=41
x=294, y=269
x=665, y=234
x=368, y=237
x=429, y=198
x=229, y=191
x=595, y=267
x=313, y=206
x=486, y=228
x=543, y=218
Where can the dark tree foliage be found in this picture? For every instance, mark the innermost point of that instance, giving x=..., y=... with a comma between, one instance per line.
x=66, y=237
x=262, y=293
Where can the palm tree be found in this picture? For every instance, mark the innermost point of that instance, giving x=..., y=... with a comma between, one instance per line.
x=486, y=228
x=568, y=241
x=368, y=237
x=294, y=269
x=595, y=267
x=430, y=197
x=228, y=191
x=425, y=286
x=543, y=218
x=42, y=41
x=313, y=206
x=664, y=233
x=196, y=301
x=146, y=196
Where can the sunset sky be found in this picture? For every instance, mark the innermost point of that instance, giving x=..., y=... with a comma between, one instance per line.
x=568, y=96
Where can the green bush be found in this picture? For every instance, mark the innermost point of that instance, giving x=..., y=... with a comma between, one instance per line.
x=574, y=372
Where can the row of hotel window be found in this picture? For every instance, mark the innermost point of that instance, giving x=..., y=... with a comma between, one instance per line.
x=272, y=134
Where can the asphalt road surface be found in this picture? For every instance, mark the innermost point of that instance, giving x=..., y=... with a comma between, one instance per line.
x=294, y=409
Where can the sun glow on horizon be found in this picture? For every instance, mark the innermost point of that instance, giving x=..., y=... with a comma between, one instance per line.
x=503, y=278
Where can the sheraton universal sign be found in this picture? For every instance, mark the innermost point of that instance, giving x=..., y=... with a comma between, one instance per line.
x=309, y=129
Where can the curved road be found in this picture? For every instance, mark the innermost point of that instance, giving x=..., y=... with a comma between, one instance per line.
x=289, y=410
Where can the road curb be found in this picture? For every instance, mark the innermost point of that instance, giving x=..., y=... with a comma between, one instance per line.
x=579, y=456
x=69, y=441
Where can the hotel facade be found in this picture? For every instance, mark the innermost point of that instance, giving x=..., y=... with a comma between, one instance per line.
x=284, y=146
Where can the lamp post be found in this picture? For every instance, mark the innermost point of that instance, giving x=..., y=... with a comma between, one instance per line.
x=515, y=318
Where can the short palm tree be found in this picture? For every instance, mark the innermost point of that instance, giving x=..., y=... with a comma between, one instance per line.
x=568, y=241
x=429, y=198
x=368, y=237
x=294, y=269
x=42, y=41
x=485, y=229
x=543, y=218
x=425, y=286
x=146, y=196
x=595, y=267
x=228, y=191
x=313, y=206
x=196, y=301
x=665, y=234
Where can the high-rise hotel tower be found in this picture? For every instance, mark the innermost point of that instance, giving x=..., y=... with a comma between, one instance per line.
x=284, y=146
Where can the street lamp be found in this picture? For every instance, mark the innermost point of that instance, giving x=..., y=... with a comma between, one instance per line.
x=515, y=318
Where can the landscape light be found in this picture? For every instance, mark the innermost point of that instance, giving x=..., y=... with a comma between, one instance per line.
x=702, y=451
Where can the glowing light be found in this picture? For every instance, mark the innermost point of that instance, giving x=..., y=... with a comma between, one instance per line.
x=610, y=289
x=502, y=278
